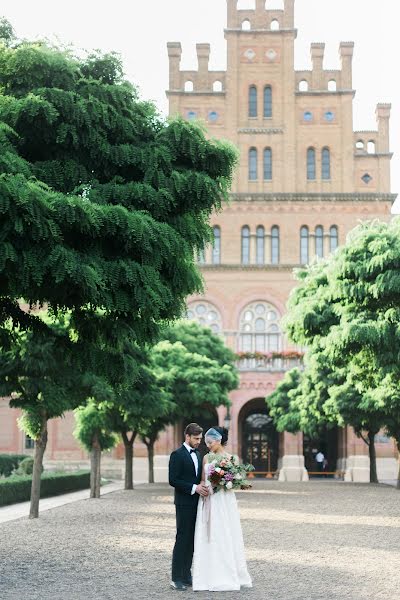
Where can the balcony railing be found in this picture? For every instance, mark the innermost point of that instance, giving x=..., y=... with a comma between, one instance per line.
x=269, y=364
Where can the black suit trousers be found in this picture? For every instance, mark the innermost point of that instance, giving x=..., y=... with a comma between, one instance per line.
x=184, y=544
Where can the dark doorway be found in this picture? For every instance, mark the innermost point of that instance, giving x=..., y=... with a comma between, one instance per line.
x=326, y=444
x=206, y=417
x=260, y=440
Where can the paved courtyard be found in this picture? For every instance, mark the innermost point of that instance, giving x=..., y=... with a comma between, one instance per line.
x=306, y=541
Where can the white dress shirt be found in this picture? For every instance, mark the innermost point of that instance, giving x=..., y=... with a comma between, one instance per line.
x=195, y=460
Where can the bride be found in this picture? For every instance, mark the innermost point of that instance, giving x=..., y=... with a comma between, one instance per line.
x=219, y=563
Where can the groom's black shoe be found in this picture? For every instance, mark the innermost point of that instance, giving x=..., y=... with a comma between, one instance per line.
x=188, y=581
x=178, y=585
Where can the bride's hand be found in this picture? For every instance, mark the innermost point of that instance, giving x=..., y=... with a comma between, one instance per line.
x=202, y=489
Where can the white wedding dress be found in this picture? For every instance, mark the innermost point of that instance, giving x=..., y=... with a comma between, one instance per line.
x=219, y=562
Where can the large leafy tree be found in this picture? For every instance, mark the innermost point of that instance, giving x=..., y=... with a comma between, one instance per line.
x=103, y=205
x=347, y=311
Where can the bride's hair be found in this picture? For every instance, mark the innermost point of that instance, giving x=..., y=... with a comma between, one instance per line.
x=224, y=432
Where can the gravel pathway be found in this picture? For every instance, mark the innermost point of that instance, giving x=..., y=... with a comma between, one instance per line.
x=307, y=541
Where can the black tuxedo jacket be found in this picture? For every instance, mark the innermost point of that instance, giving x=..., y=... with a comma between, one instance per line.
x=182, y=476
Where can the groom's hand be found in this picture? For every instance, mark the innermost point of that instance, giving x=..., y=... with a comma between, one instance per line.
x=202, y=489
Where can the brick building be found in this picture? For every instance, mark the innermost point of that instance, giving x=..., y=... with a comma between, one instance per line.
x=304, y=180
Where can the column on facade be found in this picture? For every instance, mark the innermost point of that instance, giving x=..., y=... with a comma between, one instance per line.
x=357, y=463
x=292, y=459
x=327, y=243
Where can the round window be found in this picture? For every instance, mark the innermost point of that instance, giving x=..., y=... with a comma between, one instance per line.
x=307, y=116
x=212, y=116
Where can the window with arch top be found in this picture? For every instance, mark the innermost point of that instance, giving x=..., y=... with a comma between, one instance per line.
x=216, y=249
x=267, y=164
x=326, y=163
x=253, y=164
x=267, y=102
x=319, y=241
x=246, y=25
x=275, y=245
x=311, y=164
x=304, y=245
x=245, y=245
x=206, y=314
x=259, y=329
x=252, y=101
x=333, y=238
x=275, y=25
x=260, y=245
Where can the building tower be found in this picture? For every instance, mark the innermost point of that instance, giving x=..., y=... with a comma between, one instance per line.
x=304, y=180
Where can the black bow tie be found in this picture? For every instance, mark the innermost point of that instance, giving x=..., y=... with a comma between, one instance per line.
x=191, y=452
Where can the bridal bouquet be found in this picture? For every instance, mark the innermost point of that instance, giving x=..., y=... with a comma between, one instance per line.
x=227, y=473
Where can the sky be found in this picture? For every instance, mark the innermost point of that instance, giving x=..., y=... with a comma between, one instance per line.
x=139, y=31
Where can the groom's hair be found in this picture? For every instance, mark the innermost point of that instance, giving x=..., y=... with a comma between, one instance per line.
x=193, y=429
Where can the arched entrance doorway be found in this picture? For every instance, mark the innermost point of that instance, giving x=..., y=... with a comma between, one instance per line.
x=206, y=417
x=325, y=444
x=259, y=438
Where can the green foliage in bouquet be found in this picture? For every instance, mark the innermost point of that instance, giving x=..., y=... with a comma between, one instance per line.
x=227, y=473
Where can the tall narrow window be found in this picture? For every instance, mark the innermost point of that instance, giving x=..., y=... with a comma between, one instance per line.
x=326, y=163
x=201, y=256
x=245, y=245
x=319, y=241
x=267, y=164
x=267, y=102
x=216, y=251
x=275, y=245
x=333, y=238
x=311, y=163
x=304, y=245
x=260, y=245
x=253, y=164
x=252, y=101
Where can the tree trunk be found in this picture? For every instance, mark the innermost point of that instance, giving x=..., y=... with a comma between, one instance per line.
x=373, y=475
x=398, y=474
x=95, y=472
x=128, y=443
x=40, y=447
x=150, y=452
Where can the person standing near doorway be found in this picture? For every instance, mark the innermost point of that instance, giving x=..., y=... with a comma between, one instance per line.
x=320, y=460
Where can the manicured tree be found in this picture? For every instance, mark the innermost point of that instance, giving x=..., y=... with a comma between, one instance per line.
x=349, y=308
x=94, y=432
x=193, y=381
x=103, y=205
x=137, y=404
x=39, y=371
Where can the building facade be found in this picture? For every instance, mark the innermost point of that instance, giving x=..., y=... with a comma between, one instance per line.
x=305, y=178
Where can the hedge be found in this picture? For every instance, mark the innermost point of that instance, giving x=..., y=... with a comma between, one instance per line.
x=10, y=462
x=18, y=488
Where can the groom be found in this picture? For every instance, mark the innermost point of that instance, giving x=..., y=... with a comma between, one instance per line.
x=185, y=476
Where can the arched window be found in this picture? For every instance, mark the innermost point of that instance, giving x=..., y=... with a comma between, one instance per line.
x=275, y=25
x=360, y=145
x=267, y=102
x=332, y=87
x=303, y=86
x=260, y=245
x=253, y=164
x=311, y=163
x=259, y=329
x=267, y=164
x=245, y=245
x=275, y=245
x=319, y=241
x=326, y=163
x=217, y=86
x=371, y=147
x=216, y=250
x=304, y=243
x=188, y=86
x=252, y=101
x=246, y=25
x=333, y=238
x=205, y=314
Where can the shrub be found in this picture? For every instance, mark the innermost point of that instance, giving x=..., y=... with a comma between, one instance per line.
x=10, y=462
x=26, y=466
x=18, y=488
